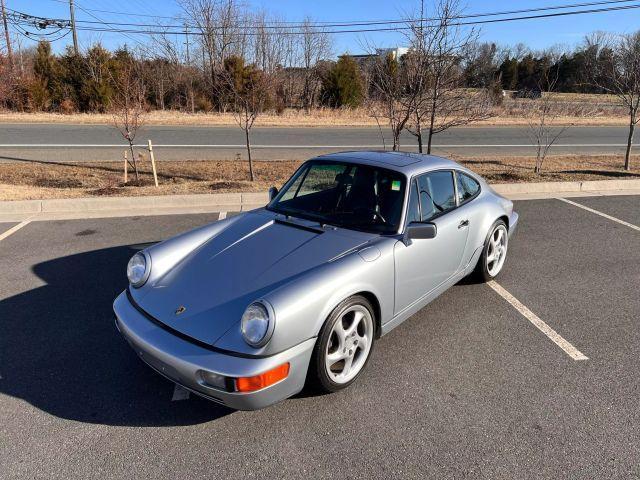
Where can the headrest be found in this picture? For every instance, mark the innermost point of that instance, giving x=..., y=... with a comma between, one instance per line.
x=344, y=178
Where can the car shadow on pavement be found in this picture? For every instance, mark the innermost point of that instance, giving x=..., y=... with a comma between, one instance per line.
x=60, y=350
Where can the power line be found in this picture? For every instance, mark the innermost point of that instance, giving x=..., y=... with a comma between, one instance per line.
x=23, y=23
x=297, y=25
x=324, y=24
x=107, y=23
x=378, y=29
x=112, y=27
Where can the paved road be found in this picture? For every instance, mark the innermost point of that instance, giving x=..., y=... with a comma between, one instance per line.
x=34, y=141
x=467, y=388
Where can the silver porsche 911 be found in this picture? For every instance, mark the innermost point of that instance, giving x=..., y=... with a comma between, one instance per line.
x=247, y=310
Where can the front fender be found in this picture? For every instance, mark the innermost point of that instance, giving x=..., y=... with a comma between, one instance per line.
x=168, y=253
x=302, y=305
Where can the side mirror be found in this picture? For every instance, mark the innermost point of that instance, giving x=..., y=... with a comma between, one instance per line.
x=273, y=191
x=420, y=231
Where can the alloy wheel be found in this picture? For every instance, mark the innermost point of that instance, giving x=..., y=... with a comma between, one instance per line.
x=497, y=253
x=349, y=344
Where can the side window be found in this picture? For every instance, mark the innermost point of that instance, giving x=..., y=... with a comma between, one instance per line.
x=467, y=187
x=437, y=194
x=413, y=212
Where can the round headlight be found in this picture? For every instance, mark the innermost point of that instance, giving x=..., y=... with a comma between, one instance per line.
x=255, y=325
x=137, y=270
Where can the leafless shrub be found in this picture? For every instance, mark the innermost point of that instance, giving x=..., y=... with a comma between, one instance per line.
x=129, y=107
x=541, y=114
x=251, y=93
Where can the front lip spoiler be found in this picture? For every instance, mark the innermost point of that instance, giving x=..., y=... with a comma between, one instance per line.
x=182, y=384
x=187, y=338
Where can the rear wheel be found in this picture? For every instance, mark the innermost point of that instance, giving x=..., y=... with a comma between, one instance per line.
x=494, y=252
x=344, y=345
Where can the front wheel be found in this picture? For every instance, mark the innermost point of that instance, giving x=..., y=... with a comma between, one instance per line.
x=344, y=345
x=494, y=252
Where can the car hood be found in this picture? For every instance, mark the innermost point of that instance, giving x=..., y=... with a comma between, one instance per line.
x=252, y=256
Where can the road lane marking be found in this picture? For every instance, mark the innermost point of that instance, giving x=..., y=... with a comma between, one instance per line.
x=15, y=228
x=378, y=145
x=554, y=336
x=608, y=217
x=179, y=393
x=222, y=216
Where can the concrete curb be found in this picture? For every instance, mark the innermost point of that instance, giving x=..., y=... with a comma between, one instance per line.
x=249, y=200
x=563, y=187
x=215, y=202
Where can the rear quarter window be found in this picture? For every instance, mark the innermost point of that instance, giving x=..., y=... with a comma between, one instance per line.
x=468, y=187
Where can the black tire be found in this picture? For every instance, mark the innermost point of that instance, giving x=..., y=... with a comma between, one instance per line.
x=481, y=272
x=318, y=379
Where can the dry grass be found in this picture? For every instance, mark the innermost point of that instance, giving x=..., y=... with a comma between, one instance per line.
x=20, y=181
x=293, y=118
x=574, y=109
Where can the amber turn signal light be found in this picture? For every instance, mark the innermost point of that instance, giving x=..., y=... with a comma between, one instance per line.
x=251, y=384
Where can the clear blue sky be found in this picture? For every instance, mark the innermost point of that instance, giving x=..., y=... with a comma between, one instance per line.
x=537, y=34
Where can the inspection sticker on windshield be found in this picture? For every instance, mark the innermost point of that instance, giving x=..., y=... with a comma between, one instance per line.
x=395, y=185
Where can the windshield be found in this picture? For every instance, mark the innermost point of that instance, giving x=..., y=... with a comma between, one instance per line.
x=360, y=197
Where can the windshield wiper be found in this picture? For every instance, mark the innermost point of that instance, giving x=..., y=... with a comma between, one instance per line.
x=322, y=221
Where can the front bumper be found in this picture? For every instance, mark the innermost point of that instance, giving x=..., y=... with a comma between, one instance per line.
x=180, y=361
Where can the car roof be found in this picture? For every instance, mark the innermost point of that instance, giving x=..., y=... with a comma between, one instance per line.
x=405, y=162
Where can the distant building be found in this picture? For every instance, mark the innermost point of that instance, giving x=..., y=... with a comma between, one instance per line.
x=396, y=52
x=366, y=58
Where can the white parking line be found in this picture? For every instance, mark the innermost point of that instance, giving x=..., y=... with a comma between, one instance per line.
x=15, y=228
x=179, y=393
x=554, y=336
x=609, y=217
x=222, y=215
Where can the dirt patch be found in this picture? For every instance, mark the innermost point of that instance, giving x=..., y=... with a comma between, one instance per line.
x=58, y=183
x=19, y=181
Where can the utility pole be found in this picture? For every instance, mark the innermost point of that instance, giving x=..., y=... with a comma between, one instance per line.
x=186, y=34
x=6, y=34
x=73, y=27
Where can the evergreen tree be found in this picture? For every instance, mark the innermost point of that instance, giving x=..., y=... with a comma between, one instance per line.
x=342, y=86
x=47, y=88
x=509, y=73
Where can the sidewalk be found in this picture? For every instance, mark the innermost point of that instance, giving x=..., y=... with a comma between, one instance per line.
x=102, y=207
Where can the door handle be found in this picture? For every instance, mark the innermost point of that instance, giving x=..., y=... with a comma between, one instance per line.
x=463, y=223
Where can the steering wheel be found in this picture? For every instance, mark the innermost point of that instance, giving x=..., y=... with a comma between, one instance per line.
x=379, y=215
x=368, y=211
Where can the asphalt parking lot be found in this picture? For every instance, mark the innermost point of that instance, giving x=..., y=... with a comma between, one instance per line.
x=467, y=388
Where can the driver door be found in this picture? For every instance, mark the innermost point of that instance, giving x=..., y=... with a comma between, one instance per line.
x=425, y=264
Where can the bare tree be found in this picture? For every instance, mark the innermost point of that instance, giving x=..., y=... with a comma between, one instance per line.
x=168, y=70
x=271, y=43
x=315, y=46
x=373, y=107
x=388, y=98
x=439, y=101
x=615, y=68
x=220, y=25
x=250, y=89
x=541, y=115
x=129, y=107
